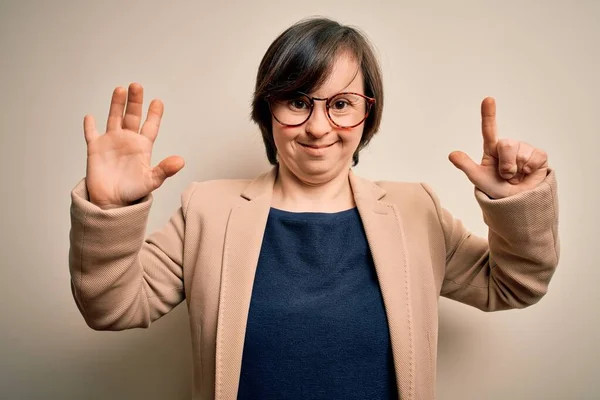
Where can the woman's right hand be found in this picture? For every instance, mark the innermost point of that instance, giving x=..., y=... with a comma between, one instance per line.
x=118, y=163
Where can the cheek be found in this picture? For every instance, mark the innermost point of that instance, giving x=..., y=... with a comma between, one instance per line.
x=351, y=136
x=282, y=135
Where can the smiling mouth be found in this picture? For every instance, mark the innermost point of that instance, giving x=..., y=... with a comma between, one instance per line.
x=314, y=146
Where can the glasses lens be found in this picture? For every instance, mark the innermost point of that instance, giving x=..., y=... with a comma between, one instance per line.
x=347, y=109
x=291, y=111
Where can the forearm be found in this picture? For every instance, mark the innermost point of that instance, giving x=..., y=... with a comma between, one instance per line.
x=513, y=267
x=118, y=279
x=524, y=244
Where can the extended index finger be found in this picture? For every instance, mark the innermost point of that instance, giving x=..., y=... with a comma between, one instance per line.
x=489, y=129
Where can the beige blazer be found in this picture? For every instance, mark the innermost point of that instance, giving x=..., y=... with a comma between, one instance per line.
x=207, y=254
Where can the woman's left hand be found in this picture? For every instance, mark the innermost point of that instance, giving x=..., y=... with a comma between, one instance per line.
x=508, y=166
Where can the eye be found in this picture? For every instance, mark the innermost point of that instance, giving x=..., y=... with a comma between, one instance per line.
x=298, y=104
x=340, y=104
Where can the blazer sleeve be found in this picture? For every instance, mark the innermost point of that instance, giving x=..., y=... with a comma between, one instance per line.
x=513, y=267
x=120, y=280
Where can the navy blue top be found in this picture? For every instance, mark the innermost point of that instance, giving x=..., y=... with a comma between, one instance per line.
x=317, y=327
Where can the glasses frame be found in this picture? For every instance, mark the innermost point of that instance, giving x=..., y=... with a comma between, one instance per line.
x=370, y=102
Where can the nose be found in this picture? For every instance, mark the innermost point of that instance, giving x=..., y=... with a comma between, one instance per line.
x=318, y=125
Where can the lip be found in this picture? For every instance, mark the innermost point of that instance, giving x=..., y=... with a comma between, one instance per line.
x=315, y=146
x=314, y=150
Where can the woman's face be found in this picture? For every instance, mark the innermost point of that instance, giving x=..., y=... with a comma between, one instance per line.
x=317, y=151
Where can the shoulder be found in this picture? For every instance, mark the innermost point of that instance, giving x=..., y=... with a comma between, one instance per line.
x=213, y=195
x=415, y=202
x=408, y=194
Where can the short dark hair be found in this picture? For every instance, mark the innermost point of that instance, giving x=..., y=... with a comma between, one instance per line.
x=300, y=59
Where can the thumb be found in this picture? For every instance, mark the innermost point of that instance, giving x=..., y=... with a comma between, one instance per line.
x=166, y=168
x=463, y=162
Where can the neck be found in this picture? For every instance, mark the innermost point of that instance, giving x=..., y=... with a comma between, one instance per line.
x=292, y=193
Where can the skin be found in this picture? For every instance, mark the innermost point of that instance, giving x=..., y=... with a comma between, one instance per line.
x=508, y=167
x=316, y=179
x=119, y=170
x=118, y=164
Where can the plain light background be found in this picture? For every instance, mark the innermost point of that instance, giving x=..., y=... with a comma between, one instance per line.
x=61, y=60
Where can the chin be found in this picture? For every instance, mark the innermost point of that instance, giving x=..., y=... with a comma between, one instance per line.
x=320, y=168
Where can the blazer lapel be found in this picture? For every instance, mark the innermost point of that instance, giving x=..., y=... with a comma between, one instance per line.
x=385, y=235
x=243, y=241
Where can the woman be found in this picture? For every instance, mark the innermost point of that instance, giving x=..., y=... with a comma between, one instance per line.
x=308, y=281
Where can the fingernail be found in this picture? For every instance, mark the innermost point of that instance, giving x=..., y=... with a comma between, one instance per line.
x=527, y=169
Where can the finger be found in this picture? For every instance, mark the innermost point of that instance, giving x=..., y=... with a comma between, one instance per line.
x=507, y=158
x=523, y=155
x=489, y=129
x=117, y=106
x=166, y=168
x=89, y=128
x=517, y=178
x=463, y=162
x=133, y=112
x=538, y=160
x=152, y=123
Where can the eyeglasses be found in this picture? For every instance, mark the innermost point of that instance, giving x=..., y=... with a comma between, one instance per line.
x=344, y=110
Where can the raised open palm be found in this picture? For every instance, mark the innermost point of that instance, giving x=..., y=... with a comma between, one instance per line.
x=118, y=163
